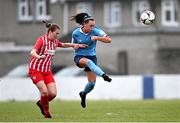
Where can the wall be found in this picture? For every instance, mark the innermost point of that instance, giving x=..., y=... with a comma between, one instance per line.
x=141, y=53
x=121, y=88
x=140, y=43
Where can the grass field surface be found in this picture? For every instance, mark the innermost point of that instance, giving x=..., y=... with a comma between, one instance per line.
x=96, y=111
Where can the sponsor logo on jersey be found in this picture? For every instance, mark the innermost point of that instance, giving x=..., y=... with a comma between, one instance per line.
x=50, y=52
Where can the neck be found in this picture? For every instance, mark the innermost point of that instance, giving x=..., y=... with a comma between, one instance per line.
x=50, y=37
x=84, y=30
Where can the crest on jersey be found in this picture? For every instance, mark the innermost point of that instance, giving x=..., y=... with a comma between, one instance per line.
x=34, y=77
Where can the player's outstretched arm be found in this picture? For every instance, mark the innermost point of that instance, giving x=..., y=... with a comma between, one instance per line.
x=75, y=46
x=105, y=39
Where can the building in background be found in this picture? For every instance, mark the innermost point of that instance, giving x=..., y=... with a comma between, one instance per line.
x=135, y=48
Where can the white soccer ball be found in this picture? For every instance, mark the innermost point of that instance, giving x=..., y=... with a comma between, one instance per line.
x=147, y=17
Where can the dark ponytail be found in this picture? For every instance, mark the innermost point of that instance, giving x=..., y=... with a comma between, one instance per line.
x=46, y=24
x=51, y=27
x=81, y=18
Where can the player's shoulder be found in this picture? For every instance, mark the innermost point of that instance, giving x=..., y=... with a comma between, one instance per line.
x=97, y=28
x=76, y=31
x=41, y=37
x=98, y=31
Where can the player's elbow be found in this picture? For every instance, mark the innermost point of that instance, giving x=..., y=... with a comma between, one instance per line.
x=63, y=45
x=109, y=40
x=32, y=52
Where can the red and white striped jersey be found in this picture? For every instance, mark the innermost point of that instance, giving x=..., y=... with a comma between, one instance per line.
x=47, y=47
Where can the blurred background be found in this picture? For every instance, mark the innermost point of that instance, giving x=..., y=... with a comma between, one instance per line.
x=136, y=49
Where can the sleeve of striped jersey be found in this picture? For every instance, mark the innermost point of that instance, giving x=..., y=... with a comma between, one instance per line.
x=59, y=43
x=38, y=43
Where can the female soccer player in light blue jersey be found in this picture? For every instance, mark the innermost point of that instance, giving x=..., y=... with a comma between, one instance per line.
x=86, y=58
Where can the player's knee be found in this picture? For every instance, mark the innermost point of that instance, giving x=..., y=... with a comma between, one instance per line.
x=92, y=79
x=83, y=62
x=51, y=97
x=52, y=94
x=44, y=93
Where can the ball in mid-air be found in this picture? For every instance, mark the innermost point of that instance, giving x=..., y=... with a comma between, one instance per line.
x=147, y=17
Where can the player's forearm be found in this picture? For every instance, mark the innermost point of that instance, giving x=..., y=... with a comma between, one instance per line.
x=65, y=45
x=34, y=54
x=104, y=39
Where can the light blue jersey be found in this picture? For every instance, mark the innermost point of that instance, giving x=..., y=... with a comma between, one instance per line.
x=78, y=36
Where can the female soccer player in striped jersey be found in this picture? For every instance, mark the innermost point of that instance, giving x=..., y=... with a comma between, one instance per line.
x=86, y=57
x=40, y=65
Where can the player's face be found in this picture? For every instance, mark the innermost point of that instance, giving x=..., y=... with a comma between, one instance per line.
x=89, y=26
x=55, y=34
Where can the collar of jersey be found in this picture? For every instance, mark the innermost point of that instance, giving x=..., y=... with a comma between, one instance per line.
x=83, y=32
x=48, y=38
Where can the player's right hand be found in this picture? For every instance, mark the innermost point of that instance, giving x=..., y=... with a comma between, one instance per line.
x=83, y=45
x=77, y=46
x=42, y=56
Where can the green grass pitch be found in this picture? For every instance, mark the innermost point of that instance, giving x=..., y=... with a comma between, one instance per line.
x=96, y=111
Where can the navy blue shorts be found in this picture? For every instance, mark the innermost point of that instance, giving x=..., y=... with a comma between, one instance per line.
x=78, y=57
